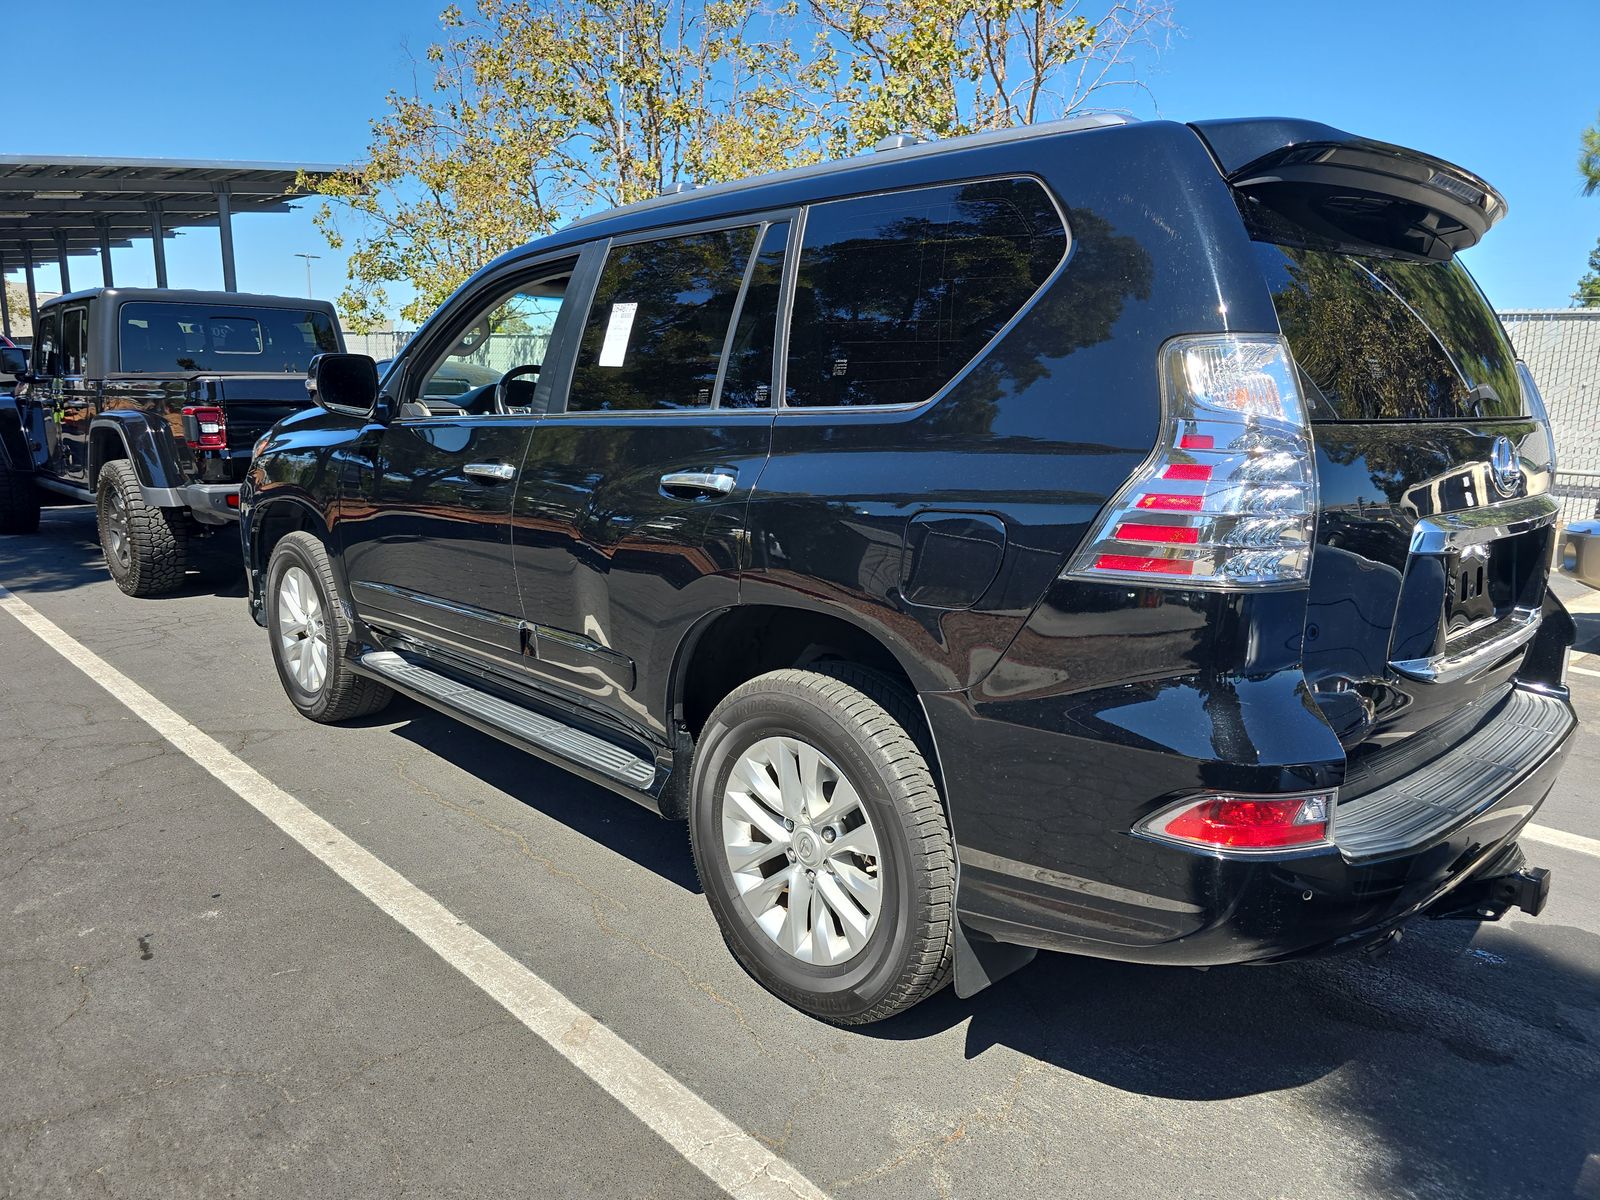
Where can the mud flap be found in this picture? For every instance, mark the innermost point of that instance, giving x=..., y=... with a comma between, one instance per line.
x=980, y=962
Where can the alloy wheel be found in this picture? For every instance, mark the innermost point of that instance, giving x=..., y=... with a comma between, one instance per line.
x=302, y=630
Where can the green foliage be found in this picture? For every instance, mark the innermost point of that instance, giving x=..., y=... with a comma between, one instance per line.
x=537, y=110
x=21, y=317
x=1589, y=159
x=1588, y=293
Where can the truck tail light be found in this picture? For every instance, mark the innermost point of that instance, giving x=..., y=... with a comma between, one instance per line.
x=1247, y=823
x=205, y=427
x=1228, y=498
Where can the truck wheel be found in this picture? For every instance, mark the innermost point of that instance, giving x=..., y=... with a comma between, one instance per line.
x=309, y=630
x=822, y=844
x=19, y=502
x=146, y=547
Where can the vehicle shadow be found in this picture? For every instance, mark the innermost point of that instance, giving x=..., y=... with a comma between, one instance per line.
x=657, y=845
x=1475, y=1071
x=66, y=555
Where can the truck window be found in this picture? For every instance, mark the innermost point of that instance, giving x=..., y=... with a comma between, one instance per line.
x=46, y=353
x=165, y=338
x=74, y=334
x=896, y=293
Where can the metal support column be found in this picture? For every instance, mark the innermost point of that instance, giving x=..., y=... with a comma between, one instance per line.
x=61, y=257
x=105, y=252
x=27, y=268
x=160, y=249
x=230, y=282
x=5, y=301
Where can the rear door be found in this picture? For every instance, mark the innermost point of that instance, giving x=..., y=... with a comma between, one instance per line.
x=631, y=511
x=1434, y=536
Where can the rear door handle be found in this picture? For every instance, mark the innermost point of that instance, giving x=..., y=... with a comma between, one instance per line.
x=706, y=483
x=496, y=472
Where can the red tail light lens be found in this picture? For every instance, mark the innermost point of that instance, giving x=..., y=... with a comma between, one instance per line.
x=1248, y=823
x=1227, y=498
x=205, y=427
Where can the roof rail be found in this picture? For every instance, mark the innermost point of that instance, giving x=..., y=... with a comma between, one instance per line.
x=916, y=149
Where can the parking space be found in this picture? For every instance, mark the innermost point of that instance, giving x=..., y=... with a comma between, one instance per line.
x=195, y=1005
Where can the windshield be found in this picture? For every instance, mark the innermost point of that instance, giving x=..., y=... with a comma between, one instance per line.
x=1391, y=340
x=164, y=338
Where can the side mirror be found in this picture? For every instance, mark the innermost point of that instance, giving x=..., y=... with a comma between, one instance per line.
x=343, y=382
x=13, y=361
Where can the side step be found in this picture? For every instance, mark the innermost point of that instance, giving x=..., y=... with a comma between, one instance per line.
x=523, y=724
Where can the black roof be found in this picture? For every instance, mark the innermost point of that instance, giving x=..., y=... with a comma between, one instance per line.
x=188, y=296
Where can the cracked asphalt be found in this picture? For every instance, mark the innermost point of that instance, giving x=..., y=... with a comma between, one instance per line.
x=191, y=1005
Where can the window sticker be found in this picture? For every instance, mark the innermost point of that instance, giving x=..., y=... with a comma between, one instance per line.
x=615, y=348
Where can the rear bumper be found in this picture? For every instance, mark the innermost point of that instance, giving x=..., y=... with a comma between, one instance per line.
x=211, y=503
x=1168, y=905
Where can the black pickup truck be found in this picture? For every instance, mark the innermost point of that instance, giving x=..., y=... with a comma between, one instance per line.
x=146, y=403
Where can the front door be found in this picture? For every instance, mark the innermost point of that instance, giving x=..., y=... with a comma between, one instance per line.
x=74, y=405
x=630, y=513
x=427, y=537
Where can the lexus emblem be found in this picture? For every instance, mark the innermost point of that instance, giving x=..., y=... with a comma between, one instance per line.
x=1504, y=468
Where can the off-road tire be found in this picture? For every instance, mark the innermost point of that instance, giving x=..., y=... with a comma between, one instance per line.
x=343, y=694
x=156, y=558
x=862, y=721
x=19, y=502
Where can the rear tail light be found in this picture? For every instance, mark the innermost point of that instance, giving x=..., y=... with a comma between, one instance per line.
x=1228, y=498
x=1247, y=824
x=205, y=427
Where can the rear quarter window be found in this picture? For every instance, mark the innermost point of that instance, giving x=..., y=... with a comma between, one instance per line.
x=1391, y=340
x=896, y=293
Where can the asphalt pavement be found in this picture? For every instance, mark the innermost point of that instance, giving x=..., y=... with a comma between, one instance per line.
x=191, y=1004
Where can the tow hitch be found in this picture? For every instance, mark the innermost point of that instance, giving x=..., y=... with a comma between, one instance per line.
x=1489, y=899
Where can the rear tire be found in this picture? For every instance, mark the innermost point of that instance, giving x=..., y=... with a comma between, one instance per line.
x=19, y=502
x=869, y=934
x=310, y=628
x=146, y=548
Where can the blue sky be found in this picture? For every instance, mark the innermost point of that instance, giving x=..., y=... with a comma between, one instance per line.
x=1502, y=91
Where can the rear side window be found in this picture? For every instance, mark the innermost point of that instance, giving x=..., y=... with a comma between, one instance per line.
x=73, y=338
x=896, y=293
x=1391, y=340
x=165, y=338
x=658, y=323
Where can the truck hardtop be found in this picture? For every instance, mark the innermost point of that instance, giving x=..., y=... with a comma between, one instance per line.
x=146, y=402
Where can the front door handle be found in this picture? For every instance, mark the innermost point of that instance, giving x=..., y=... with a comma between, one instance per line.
x=706, y=483
x=495, y=472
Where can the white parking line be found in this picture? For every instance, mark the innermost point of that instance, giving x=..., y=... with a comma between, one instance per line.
x=1560, y=837
x=732, y=1159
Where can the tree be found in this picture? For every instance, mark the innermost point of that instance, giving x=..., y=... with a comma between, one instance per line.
x=940, y=68
x=1589, y=158
x=21, y=317
x=538, y=110
x=1588, y=293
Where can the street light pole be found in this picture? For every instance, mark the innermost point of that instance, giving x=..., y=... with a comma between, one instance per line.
x=308, y=258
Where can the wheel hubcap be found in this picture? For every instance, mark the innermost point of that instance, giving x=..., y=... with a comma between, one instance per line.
x=116, y=526
x=302, y=631
x=803, y=851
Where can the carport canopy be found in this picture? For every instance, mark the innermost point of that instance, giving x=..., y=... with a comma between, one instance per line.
x=53, y=208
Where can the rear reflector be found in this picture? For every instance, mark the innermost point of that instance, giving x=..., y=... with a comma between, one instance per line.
x=1249, y=824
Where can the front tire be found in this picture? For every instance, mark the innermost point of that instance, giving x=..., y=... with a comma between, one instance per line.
x=146, y=548
x=309, y=630
x=19, y=502
x=822, y=843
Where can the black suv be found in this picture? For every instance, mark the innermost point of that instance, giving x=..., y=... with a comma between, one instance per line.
x=1126, y=539
x=145, y=402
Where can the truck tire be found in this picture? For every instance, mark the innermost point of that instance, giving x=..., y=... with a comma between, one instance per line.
x=309, y=628
x=809, y=791
x=19, y=502
x=146, y=548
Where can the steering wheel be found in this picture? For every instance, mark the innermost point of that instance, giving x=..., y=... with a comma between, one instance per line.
x=502, y=393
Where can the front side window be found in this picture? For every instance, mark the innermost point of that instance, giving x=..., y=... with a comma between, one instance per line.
x=46, y=353
x=659, y=320
x=896, y=293
x=161, y=337
x=507, y=339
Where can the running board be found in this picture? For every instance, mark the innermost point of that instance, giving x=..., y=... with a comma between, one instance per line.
x=522, y=724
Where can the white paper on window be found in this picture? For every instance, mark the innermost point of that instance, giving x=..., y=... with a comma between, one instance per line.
x=615, y=347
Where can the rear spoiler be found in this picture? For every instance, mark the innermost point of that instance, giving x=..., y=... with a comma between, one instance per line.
x=1351, y=191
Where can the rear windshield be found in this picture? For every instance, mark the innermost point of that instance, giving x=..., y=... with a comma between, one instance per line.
x=221, y=337
x=1391, y=340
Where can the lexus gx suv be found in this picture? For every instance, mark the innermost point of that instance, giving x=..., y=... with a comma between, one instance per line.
x=1127, y=539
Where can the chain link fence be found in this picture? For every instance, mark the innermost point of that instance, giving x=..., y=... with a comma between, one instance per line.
x=1562, y=348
